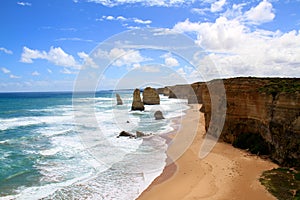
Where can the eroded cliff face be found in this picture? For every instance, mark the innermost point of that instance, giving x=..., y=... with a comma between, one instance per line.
x=191, y=92
x=268, y=108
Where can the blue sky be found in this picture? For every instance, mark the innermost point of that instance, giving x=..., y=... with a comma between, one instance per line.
x=43, y=44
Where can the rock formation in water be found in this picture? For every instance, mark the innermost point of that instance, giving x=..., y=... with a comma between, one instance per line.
x=126, y=134
x=262, y=115
x=158, y=115
x=119, y=100
x=150, y=96
x=137, y=103
x=140, y=134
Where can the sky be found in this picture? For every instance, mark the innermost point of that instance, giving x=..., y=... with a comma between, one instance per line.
x=46, y=45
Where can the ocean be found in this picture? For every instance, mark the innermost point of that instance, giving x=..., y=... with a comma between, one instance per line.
x=57, y=145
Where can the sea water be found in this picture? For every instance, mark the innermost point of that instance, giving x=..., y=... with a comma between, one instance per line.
x=65, y=146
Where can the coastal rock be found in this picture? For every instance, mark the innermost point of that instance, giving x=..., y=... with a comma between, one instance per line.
x=265, y=111
x=191, y=92
x=140, y=134
x=158, y=115
x=119, y=100
x=137, y=103
x=125, y=134
x=150, y=96
x=164, y=91
x=195, y=96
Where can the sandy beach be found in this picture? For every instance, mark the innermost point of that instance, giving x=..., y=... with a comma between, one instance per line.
x=226, y=173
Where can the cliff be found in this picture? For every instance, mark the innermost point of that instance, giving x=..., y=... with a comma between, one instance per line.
x=191, y=92
x=262, y=115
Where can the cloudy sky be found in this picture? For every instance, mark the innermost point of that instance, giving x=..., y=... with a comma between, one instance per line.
x=45, y=44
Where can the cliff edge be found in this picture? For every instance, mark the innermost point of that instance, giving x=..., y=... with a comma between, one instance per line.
x=262, y=115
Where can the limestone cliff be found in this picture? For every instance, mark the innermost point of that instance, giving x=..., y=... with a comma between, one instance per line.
x=150, y=96
x=262, y=114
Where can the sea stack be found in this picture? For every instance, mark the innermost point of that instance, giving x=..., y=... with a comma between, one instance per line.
x=137, y=103
x=150, y=96
x=119, y=100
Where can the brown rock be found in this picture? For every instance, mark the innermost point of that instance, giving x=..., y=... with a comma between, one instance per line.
x=137, y=103
x=150, y=96
x=140, y=134
x=125, y=134
x=158, y=115
x=119, y=100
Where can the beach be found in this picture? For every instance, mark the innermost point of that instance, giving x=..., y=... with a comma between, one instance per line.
x=225, y=173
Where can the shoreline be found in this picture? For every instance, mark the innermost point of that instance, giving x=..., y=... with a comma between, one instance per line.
x=226, y=173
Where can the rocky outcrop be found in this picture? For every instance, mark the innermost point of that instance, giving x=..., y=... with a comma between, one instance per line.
x=119, y=100
x=137, y=103
x=126, y=134
x=150, y=96
x=191, y=92
x=158, y=115
x=141, y=134
x=130, y=135
x=164, y=91
x=262, y=114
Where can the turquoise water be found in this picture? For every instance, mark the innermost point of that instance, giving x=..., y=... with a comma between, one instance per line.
x=60, y=146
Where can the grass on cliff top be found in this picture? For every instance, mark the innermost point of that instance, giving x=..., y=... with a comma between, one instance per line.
x=281, y=85
x=283, y=183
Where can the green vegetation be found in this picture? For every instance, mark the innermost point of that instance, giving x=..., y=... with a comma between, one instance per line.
x=253, y=142
x=283, y=183
x=281, y=85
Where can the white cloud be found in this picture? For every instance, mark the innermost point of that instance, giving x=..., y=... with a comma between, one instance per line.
x=262, y=13
x=49, y=71
x=128, y=57
x=21, y=3
x=5, y=71
x=6, y=50
x=170, y=61
x=121, y=18
x=217, y=6
x=14, y=77
x=55, y=55
x=88, y=61
x=73, y=39
x=223, y=34
x=122, y=57
x=110, y=18
x=124, y=19
x=158, y=3
x=35, y=73
x=200, y=11
x=139, y=21
x=237, y=48
x=67, y=71
x=146, y=68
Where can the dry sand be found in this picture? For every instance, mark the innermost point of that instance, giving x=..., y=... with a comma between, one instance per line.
x=226, y=173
